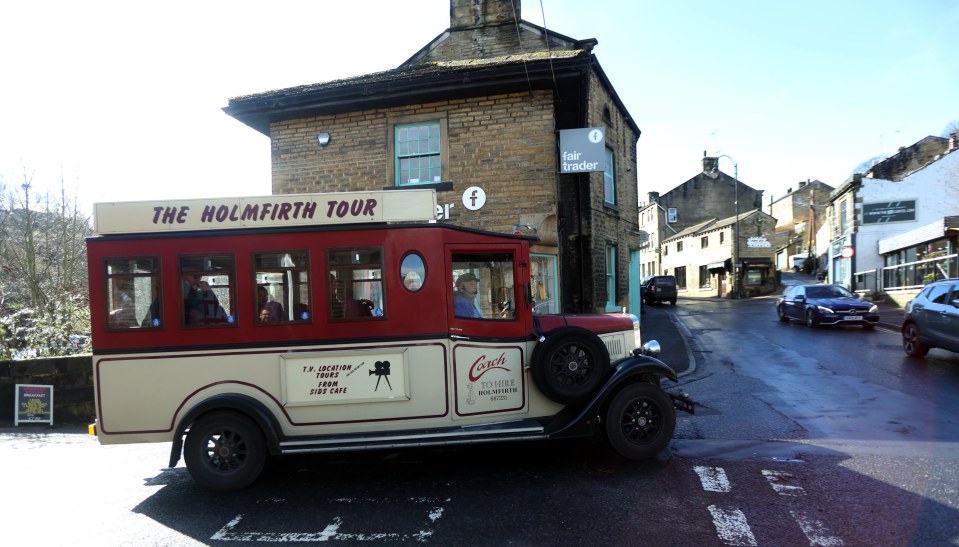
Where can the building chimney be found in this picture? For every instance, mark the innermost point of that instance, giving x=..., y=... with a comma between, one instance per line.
x=710, y=166
x=653, y=197
x=465, y=14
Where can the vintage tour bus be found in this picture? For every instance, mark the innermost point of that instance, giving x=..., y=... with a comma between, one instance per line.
x=244, y=328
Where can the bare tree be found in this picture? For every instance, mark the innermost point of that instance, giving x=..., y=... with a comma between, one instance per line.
x=44, y=303
x=951, y=127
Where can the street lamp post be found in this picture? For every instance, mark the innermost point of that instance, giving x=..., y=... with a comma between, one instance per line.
x=736, y=273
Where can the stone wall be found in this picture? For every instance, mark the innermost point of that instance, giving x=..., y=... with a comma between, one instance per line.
x=503, y=143
x=72, y=381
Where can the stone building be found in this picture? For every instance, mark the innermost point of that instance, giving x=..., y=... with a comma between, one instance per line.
x=799, y=215
x=897, y=228
x=698, y=218
x=476, y=115
x=700, y=257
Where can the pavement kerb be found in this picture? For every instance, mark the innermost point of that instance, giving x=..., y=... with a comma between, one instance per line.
x=686, y=336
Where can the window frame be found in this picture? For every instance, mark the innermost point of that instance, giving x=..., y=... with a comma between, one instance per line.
x=679, y=272
x=611, y=277
x=609, y=179
x=348, y=294
x=394, y=123
x=232, y=317
x=292, y=316
x=491, y=289
x=156, y=322
x=704, y=277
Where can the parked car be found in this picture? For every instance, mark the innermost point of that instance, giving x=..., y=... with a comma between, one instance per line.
x=658, y=288
x=932, y=319
x=826, y=305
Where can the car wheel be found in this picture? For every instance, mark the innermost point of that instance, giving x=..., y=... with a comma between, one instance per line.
x=810, y=319
x=782, y=313
x=911, y=343
x=672, y=302
x=224, y=451
x=640, y=421
x=570, y=366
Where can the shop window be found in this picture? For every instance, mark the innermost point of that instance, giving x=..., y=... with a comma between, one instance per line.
x=282, y=281
x=356, y=284
x=543, y=283
x=208, y=285
x=133, y=293
x=680, y=275
x=704, y=277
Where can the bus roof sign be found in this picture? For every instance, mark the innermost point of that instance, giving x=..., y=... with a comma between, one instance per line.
x=265, y=211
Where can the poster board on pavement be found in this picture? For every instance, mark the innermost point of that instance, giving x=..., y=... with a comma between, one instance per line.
x=33, y=404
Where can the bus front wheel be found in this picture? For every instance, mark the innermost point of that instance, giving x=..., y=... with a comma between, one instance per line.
x=224, y=451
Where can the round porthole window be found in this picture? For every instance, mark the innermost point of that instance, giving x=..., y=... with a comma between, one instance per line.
x=413, y=272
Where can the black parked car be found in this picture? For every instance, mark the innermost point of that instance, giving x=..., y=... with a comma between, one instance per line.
x=932, y=319
x=658, y=288
x=826, y=305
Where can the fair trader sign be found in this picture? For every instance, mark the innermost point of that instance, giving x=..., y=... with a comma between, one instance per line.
x=265, y=211
x=582, y=150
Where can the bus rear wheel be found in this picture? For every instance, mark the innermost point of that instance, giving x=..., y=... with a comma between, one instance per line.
x=224, y=451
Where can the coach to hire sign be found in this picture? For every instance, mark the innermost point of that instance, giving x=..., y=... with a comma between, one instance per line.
x=582, y=150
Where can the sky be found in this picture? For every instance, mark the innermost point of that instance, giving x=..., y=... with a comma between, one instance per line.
x=123, y=100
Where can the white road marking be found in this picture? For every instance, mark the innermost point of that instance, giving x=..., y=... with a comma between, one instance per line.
x=779, y=481
x=816, y=532
x=713, y=479
x=332, y=530
x=731, y=527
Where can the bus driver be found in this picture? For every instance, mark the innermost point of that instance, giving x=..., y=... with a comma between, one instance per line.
x=467, y=285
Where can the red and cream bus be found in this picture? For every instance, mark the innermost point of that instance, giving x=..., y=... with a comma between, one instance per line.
x=247, y=327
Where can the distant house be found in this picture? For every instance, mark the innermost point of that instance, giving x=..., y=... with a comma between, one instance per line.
x=692, y=234
x=800, y=214
x=701, y=255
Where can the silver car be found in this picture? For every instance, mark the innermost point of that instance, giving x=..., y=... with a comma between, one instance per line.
x=932, y=319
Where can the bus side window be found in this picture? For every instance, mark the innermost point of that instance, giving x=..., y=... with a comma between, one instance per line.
x=208, y=286
x=133, y=293
x=356, y=284
x=282, y=281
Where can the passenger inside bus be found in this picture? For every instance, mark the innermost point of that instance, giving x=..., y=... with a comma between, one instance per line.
x=200, y=303
x=270, y=311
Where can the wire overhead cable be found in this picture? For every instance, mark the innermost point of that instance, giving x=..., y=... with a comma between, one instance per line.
x=549, y=52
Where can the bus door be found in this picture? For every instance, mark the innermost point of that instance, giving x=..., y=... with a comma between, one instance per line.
x=489, y=324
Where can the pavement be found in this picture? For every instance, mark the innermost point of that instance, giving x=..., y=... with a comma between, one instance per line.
x=658, y=323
